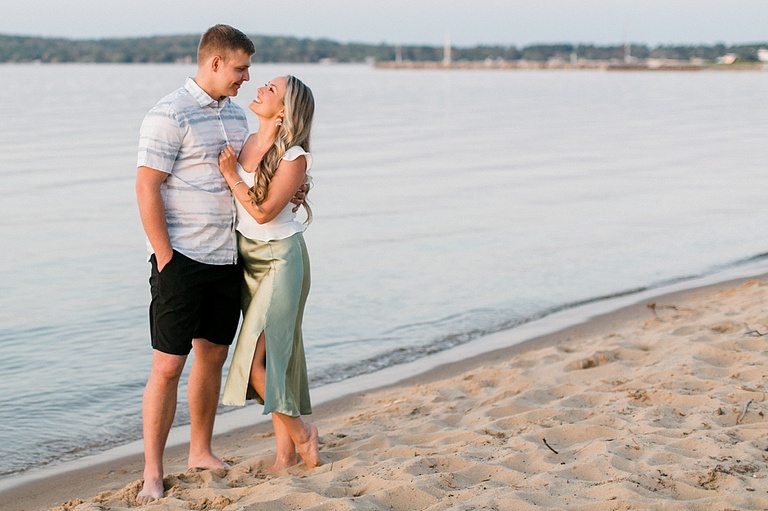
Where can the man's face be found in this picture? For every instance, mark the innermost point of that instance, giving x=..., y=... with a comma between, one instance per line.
x=231, y=72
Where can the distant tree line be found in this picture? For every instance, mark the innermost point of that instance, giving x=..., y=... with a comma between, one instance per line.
x=183, y=48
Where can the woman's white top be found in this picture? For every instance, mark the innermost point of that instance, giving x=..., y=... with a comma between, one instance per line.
x=284, y=225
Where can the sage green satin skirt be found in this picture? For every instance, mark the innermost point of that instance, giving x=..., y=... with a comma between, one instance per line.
x=274, y=293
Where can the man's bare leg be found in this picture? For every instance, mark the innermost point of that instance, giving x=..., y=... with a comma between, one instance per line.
x=203, y=395
x=158, y=410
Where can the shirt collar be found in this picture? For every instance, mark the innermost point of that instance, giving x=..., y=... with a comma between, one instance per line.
x=202, y=97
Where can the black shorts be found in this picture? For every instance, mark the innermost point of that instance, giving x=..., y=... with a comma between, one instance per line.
x=193, y=300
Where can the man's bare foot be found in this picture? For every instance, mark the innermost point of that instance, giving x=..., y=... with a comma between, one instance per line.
x=310, y=450
x=152, y=491
x=207, y=462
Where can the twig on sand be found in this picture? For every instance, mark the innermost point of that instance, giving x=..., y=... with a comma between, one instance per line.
x=743, y=412
x=752, y=332
x=655, y=307
x=550, y=447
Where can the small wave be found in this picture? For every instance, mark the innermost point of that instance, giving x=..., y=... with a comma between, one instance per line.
x=403, y=355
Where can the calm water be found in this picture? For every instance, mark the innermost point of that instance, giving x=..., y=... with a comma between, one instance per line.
x=448, y=204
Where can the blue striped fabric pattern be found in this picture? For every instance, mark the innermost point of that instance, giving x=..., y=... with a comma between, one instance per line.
x=183, y=135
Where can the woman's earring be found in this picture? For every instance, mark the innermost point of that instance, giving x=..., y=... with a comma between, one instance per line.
x=279, y=122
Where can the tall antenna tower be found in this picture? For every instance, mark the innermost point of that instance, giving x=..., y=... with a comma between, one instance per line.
x=627, y=44
x=447, y=50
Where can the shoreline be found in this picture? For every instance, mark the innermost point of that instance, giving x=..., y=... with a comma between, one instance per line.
x=590, y=65
x=113, y=469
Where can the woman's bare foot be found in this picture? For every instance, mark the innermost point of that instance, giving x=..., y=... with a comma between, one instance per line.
x=206, y=462
x=285, y=457
x=282, y=465
x=152, y=491
x=310, y=450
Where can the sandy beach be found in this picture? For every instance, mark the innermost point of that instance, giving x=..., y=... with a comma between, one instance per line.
x=657, y=406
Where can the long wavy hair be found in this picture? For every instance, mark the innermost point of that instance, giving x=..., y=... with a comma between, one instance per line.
x=295, y=130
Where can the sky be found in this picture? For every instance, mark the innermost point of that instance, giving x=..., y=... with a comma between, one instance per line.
x=464, y=23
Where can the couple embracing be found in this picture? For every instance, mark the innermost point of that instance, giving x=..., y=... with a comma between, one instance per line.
x=218, y=207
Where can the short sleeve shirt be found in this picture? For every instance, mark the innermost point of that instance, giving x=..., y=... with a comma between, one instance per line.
x=183, y=135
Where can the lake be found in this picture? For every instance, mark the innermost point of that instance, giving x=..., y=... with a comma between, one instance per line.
x=448, y=204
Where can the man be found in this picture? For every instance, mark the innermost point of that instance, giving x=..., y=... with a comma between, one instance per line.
x=188, y=216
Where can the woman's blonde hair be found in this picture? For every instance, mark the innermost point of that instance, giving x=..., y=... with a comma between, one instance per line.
x=294, y=131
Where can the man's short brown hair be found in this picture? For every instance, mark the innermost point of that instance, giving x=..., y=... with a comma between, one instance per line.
x=221, y=40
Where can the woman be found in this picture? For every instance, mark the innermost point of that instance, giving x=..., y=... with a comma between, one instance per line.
x=269, y=364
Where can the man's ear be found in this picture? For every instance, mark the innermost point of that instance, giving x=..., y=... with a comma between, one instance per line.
x=215, y=63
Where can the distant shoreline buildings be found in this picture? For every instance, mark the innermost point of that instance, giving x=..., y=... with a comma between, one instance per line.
x=728, y=61
x=182, y=49
x=617, y=65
